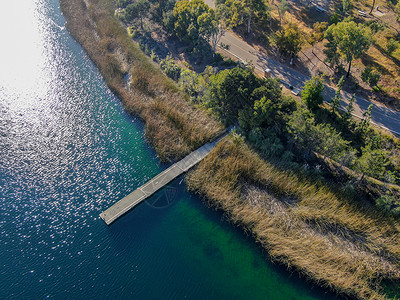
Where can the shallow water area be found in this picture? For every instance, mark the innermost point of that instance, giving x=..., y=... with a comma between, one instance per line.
x=67, y=152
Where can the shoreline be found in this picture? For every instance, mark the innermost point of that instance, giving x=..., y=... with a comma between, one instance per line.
x=172, y=126
x=168, y=117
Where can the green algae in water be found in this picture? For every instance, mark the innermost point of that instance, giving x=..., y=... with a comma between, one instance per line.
x=230, y=265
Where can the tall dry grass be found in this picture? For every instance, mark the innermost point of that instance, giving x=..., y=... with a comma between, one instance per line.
x=308, y=227
x=172, y=125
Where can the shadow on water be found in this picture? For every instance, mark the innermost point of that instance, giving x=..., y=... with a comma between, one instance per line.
x=217, y=243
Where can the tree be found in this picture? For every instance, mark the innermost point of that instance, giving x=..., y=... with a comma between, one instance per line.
x=347, y=158
x=215, y=36
x=231, y=91
x=317, y=35
x=372, y=7
x=331, y=143
x=160, y=8
x=240, y=12
x=337, y=98
x=282, y=9
x=193, y=20
x=349, y=39
x=346, y=117
x=365, y=122
x=373, y=163
x=331, y=52
x=289, y=40
x=138, y=9
x=267, y=112
x=321, y=138
x=211, y=28
x=312, y=93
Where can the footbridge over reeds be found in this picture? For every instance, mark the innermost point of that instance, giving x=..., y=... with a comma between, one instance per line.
x=149, y=188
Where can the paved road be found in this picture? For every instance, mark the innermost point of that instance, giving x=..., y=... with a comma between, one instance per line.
x=381, y=116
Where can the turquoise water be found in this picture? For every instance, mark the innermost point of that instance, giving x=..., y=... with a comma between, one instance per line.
x=69, y=151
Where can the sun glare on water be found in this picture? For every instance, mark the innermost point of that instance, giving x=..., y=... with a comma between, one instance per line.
x=21, y=76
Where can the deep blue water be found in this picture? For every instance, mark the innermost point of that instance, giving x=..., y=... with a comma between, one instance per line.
x=68, y=151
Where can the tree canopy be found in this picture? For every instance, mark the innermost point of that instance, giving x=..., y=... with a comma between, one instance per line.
x=136, y=11
x=269, y=109
x=232, y=90
x=321, y=138
x=348, y=39
x=240, y=12
x=312, y=93
x=193, y=20
x=289, y=40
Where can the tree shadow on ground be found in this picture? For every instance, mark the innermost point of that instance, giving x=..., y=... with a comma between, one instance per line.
x=156, y=42
x=258, y=37
x=387, y=55
x=368, y=60
x=309, y=15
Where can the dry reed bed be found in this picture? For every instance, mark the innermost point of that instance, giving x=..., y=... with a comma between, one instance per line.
x=334, y=242
x=172, y=125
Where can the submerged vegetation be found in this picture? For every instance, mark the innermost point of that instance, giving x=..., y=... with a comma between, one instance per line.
x=316, y=188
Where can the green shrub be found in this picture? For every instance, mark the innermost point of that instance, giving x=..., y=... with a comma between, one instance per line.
x=391, y=45
x=229, y=62
x=120, y=13
x=335, y=18
x=191, y=83
x=388, y=204
x=312, y=93
x=154, y=56
x=377, y=88
x=375, y=26
x=218, y=58
x=371, y=77
x=170, y=67
x=266, y=141
x=346, y=6
x=122, y=3
x=168, y=22
x=349, y=190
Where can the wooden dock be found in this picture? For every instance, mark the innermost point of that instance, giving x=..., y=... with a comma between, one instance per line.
x=158, y=182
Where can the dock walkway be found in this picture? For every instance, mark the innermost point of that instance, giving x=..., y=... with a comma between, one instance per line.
x=149, y=188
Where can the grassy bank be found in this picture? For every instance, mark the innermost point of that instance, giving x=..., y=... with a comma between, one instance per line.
x=173, y=126
x=306, y=226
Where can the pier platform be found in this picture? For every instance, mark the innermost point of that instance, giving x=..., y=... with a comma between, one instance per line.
x=149, y=188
